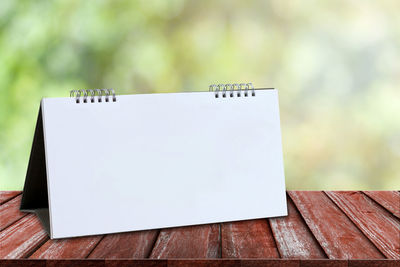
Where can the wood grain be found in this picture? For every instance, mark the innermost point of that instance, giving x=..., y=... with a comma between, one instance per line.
x=200, y=241
x=337, y=235
x=21, y=238
x=9, y=212
x=203, y=263
x=344, y=223
x=198, y=263
x=390, y=200
x=379, y=225
x=373, y=263
x=125, y=245
x=233, y=263
x=7, y=195
x=269, y=263
x=293, y=238
x=72, y=248
x=75, y=263
x=248, y=239
x=22, y=263
x=135, y=263
x=323, y=263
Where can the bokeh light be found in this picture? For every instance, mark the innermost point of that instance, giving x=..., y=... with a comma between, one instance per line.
x=336, y=65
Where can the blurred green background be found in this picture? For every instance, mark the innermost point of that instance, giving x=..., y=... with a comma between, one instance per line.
x=336, y=65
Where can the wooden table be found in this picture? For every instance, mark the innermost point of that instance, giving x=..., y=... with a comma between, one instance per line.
x=340, y=228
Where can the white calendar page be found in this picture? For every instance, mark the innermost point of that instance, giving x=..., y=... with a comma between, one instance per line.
x=162, y=160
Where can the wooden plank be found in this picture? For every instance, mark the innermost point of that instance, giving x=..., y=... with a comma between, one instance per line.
x=323, y=263
x=135, y=263
x=198, y=263
x=293, y=238
x=75, y=263
x=269, y=263
x=9, y=212
x=21, y=238
x=7, y=195
x=71, y=248
x=248, y=239
x=390, y=200
x=379, y=225
x=337, y=235
x=232, y=263
x=125, y=245
x=200, y=241
x=373, y=263
x=154, y=263
x=22, y=263
x=202, y=263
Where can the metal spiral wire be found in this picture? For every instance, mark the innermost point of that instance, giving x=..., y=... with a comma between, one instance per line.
x=91, y=95
x=229, y=89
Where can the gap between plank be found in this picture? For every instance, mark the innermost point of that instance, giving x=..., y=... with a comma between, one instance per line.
x=5, y=228
x=306, y=226
x=11, y=198
x=37, y=247
x=379, y=203
x=154, y=243
x=351, y=221
x=90, y=252
x=350, y=207
x=273, y=237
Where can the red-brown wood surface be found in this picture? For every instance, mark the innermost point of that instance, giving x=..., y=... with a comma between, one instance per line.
x=373, y=263
x=72, y=248
x=390, y=200
x=200, y=241
x=248, y=239
x=338, y=225
x=125, y=245
x=7, y=195
x=21, y=238
x=197, y=262
x=293, y=238
x=336, y=233
x=9, y=212
x=379, y=225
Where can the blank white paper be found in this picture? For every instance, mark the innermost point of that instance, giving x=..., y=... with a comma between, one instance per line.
x=162, y=160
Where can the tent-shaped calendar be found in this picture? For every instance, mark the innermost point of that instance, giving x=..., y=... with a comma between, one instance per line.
x=104, y=163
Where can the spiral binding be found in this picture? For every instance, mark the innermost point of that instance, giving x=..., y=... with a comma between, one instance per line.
x=232, y=88
x=82, y=96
